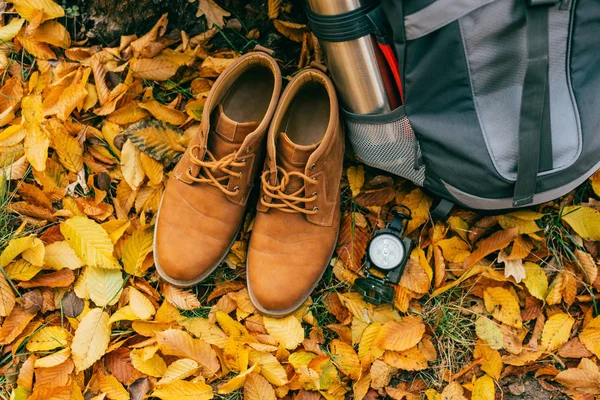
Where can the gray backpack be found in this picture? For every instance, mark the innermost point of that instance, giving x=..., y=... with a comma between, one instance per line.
x=502, y=100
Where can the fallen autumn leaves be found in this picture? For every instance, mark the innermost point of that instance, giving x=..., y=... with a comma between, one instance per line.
x=88, y=138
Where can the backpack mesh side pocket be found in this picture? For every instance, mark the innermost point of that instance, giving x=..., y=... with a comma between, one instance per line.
x=387, y=141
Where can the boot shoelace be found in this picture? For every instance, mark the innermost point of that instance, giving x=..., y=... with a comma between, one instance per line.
x=210, y=165
x=289, y=202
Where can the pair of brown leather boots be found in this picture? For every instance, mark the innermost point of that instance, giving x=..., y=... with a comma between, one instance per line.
x=297, y=223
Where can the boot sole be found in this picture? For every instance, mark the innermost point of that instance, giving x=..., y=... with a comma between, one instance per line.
x=191, y=282
x=287, y=311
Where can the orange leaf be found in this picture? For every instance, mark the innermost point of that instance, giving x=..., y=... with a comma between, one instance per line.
x=495, y=242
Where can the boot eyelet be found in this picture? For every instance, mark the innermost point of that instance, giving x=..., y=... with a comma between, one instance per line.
x=236, y=189
x=265, y=198
x=315, y=208
x=314, y=194
x=248, y=149
x=313, y=167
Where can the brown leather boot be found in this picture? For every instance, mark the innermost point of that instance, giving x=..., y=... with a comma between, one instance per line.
x=296, y=228
x=204, y=202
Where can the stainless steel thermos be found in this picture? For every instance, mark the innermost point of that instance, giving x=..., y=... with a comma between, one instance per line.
x=362, y=64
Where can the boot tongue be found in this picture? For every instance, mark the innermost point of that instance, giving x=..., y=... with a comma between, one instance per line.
x=293, y=157
x=229, y=134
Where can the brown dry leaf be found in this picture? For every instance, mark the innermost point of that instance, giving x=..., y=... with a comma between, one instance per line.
x=417, y=273
x=352, y=243
x=215, y=15
x=588, y=265
x=586, y=380
x=158, y=140
x=182, y=299
x=14, y=324
x=347, y=360
x=291, y=30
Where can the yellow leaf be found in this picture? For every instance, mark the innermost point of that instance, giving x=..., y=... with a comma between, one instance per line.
x=235, y=382
x=258, y=388
x=137, y=247
x=140, y=304
x=409, y=360
x=148, y=362
x=91, y=339
x=154, y=69
x=164, y=113
x=557, y=331
x=287, y=331
x=48, y=338
x=160, y=141
x=113, y=389
x=433, y=395
x=345, y=358
x=489, y=331
x=152, y=168
x=368, y=351
x=419, y=204
x=12, y=135
x=103, y=285
x=182, y=390
x=179, y=369
x=535, y=280
x=587, y=265
x=131, y=165
x=53, y=360
x=585, y=221
x=16, y=247
x=590, y=336
x=491, y=361
x=7, y=297
x=53, y=33
x=128, y=114
x=203, y=329
x=454, y=249
x=28, y=9
x=21, y=270
x=92, y=96
x=595, y=181
x=270, y=368
x=300, y=359
x=70, y=153
x=10, y=30
x=357, y=306
x=179, y=343
x=123, y=314
x=361, y=387
x=356, y=179
x=36, y=140
x=35, y=254
x=116, y=228
x=484, y=389
x=90, y=242
x=60, y=255
x=524, y=226
x=400, y=336
x=235, y=356
x=503, y=305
